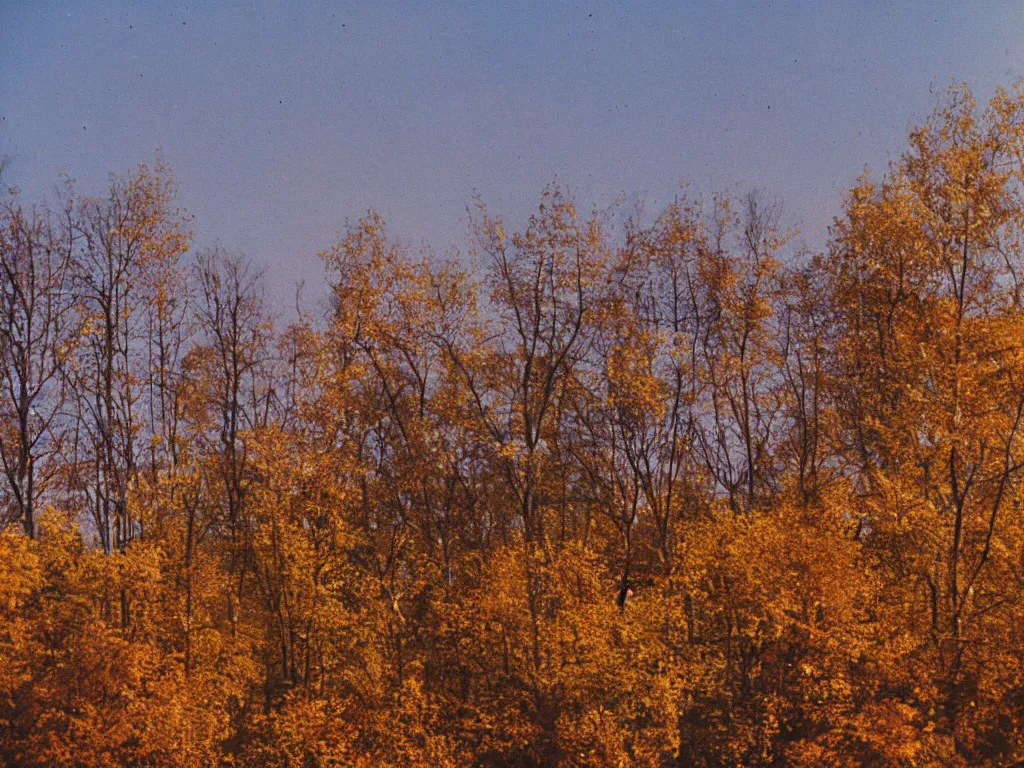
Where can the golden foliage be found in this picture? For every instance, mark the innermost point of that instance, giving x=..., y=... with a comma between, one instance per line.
x=630, y=493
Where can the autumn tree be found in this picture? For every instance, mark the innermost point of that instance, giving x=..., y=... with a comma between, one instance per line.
x=609, y=489
x=925, y=284
x=232, y=395
x=38, y=332
x=120, y=240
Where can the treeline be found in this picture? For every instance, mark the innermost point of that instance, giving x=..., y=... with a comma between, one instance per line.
x=634, y=491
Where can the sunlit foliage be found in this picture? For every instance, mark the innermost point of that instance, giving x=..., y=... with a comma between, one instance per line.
x=610, y=489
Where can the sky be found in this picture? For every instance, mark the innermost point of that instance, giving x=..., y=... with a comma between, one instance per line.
x=284, y=122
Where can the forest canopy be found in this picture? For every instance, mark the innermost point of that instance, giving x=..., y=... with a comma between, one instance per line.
x=611, y=490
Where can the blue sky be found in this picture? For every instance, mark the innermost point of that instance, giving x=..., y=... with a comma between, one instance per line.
x=282, y=121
